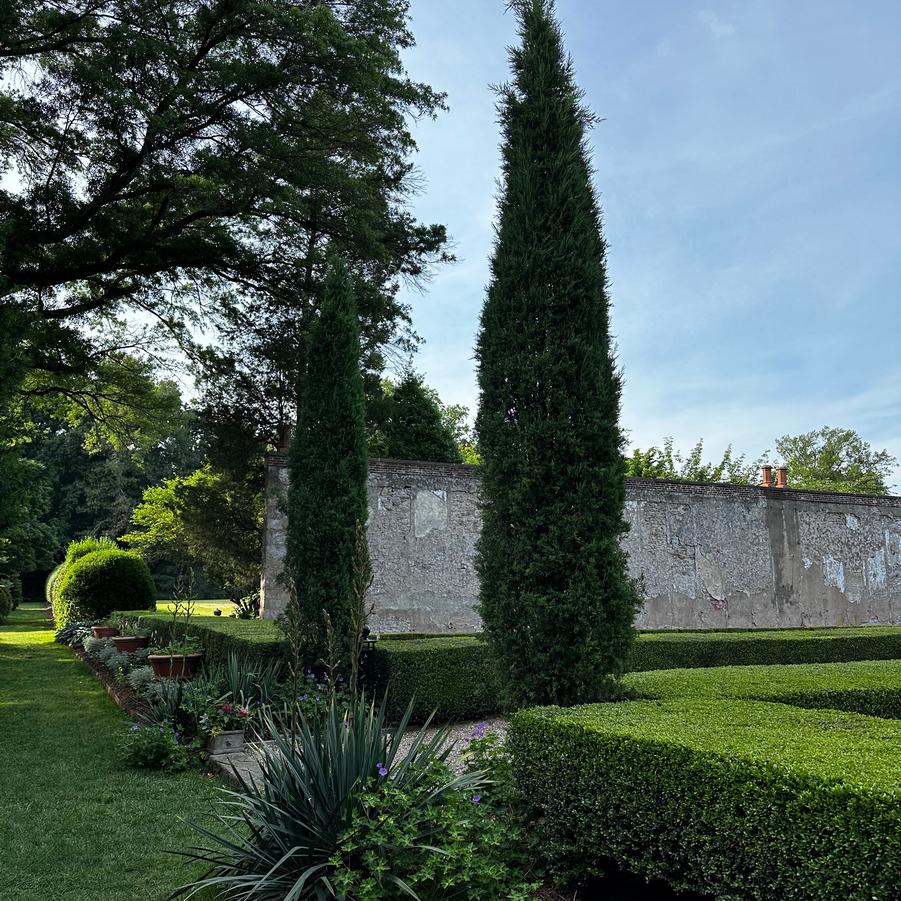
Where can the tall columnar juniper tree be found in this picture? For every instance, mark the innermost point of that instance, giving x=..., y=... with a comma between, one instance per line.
x=327, y=495
x=556, y=599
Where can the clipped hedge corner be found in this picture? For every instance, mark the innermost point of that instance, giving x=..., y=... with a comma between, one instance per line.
x=454, y=677
x=736, y=799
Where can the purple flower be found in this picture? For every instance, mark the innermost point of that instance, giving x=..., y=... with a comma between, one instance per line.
x=162, y=730
x=476, y=799
x=302, y=697
x=382, y=769
x=479, y=731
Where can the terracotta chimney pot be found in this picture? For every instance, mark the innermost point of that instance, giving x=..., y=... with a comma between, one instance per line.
x=782, y=477
x=284, y=437
x=766, y=476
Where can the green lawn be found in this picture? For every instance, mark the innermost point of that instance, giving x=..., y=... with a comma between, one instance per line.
x=73, y=823
x=201, y=608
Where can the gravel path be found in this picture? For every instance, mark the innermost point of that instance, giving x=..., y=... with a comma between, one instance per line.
x=246, y=764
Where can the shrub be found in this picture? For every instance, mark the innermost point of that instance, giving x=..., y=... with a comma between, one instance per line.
x=81, y=547
x=51, y=583
x=871, y=687
x=94, y=647
x=154, y=747
x=14, y=586
x=672, y=650
x=434, y=843
x=6, y=600
x=454, y=677
x=254, y=640
x=735, y=799
x=284, y=834
x=98, y=582
x=74, y=634
x=140, y=679
x=77, y=549
x=247, y=607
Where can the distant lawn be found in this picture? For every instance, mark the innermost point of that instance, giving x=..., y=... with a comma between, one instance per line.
x=73, y=823
x=201, y=608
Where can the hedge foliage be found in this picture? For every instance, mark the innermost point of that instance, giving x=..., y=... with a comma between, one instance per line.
x=94, y=584
x=871, y=687
x=452, y=676
x=6, y=600
x=671, y=650
x=251, y=639
x=77, y=549
x=455, y=675
x=733, y=798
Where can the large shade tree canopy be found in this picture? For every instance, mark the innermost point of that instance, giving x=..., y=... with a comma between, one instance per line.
x=194, y=163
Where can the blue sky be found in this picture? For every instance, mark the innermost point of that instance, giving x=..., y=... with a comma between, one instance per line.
x=749, y=168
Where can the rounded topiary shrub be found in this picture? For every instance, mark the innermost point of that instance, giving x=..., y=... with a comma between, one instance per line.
x=100, y=582
x=52, y=581
x=77, y=549
x=80, y=547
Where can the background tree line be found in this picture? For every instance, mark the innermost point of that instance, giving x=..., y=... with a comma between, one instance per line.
x=175, y=179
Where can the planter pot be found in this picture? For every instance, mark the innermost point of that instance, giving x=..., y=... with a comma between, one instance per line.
x=174, y=666
x=104, y=631
x=128, y=644
x=225, y=743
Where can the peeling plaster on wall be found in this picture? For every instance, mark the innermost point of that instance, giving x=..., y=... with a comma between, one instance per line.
x=429, y=512
x=711, y=577
x=834, y=572
x=876, y=574
x=708, y=556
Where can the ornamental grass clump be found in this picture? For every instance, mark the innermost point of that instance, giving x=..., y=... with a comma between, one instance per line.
x=304, y=829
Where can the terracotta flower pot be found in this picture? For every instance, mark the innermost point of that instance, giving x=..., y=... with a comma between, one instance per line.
x=226, y=743
x=104, y=631
x=174, y=666
x=128, y=644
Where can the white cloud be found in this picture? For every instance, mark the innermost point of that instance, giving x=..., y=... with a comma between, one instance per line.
x=718, y=27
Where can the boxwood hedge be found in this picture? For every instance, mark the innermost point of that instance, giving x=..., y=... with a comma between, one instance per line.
x=250, y=639
x=732, y=798
x=455, y=674
x=871, y=687
x=671, y=650
x=452, y=676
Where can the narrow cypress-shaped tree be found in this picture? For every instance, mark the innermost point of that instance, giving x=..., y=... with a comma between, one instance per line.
x=556, y=599
x=415, y=430
x=327, y=465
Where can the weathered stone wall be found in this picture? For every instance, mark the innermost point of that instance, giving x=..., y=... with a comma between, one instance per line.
x=709, y=556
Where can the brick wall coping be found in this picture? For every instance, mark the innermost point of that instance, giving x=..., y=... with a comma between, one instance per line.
x=426, y=469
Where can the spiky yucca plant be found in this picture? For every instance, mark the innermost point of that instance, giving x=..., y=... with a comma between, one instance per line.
x=279, y=833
